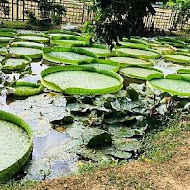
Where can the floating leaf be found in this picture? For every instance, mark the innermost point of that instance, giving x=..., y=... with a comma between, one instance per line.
x=81, y=80
x=15, y=144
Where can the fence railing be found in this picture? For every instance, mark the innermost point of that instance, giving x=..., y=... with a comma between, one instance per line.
x=79, y=12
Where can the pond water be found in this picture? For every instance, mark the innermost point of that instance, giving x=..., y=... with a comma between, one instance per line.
x=49, y=159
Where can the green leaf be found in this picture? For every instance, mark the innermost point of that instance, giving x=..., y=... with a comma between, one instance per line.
x=127, y=61
x=25, y=51
x=81, y=80
x=146, y=54
x=139, y=73
x=15, y=144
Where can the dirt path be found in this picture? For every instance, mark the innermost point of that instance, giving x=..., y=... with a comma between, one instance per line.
x=173, y=174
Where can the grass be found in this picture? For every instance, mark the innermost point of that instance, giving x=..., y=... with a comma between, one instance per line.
x=14, y=24
x=18, y=185
x=161, y=146
x=17, y=25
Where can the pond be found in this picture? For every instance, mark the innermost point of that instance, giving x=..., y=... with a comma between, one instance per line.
x=85, y=113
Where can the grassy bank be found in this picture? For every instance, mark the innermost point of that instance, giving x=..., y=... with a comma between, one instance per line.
x=164, y=165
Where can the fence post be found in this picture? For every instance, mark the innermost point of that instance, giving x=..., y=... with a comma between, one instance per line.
x=12, y=10
x=83, y=13
x=17, y=9
x=23, y=9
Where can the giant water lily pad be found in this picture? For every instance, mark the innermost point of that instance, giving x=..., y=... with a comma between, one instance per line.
x=126, y=61
x=34, y=38
x=5, y=39
x=81, y=80
x=100, y=52
x=173, y=84
x=102, y=64
x=164, y=49
x=67, y=55
x=30, y=52
x=1, y=58
x=69, y=41
x=22, y=88
x=178, y=58
x=27, y=44
x=13, y=63
x=15, y=144
x=139, y=73
x=147, y=54
x=133, y=45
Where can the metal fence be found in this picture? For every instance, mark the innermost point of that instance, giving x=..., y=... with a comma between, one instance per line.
x=167, y=19
x=77, y=12
x=80, y=12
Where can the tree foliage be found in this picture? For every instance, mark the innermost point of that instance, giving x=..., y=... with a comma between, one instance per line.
x=50, y=13
x=4, y=6
x=118, y=18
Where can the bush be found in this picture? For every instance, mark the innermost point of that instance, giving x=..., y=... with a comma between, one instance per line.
x=50, y=14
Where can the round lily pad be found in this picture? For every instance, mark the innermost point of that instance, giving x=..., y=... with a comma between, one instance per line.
x=30, y=52
x=164, y=50
x=100, y=52
x=177, y=58
x=15, y=144
x=34, y=38
x=69, y=41
x=147, y=54
x=81, y=80
x=139, y=73
x=126, y=61
x=1, y=58
x=173, y=84
x=28, y=44
x=67, y=55
x=5, y=39
x=102, y=64
x=8, y=30
x=27, y=88
x=133, y=45
x=15, y=63
x=3, y=50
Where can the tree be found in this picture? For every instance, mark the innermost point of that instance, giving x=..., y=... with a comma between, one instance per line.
x=120, y=18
